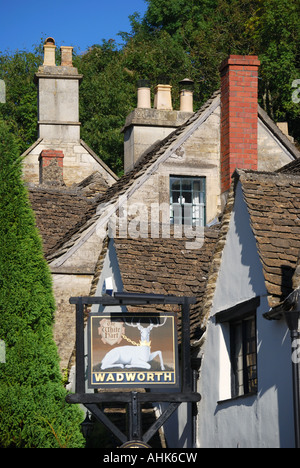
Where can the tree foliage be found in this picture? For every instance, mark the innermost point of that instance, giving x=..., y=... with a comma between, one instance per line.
x=20, y=109
x=274, y=30
x=33, y=412
x=174, y=39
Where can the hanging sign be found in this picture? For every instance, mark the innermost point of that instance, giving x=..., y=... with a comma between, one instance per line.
x=132, y=350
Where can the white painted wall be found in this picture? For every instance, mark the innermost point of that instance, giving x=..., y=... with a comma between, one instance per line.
x=266, y=419
x=110, y=269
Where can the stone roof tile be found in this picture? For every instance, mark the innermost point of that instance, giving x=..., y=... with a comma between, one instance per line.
x=273, y=203
x=59, y=213
x=165, y=266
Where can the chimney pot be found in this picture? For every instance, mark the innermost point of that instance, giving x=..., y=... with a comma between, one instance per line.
x=66, y=56
x=49, y=52
x=144, y=94
x=186, y=95
x=163, y=98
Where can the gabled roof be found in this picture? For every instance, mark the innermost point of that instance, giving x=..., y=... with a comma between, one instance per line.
x=273, y=202
x=133, y=180
x=274, y=130
x=165, y=266
x=147, y=164
x=84, y=145
x=59, y=212
x=158, y=152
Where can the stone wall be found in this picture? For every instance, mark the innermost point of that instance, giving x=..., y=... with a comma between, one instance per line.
x=78, y=162
x=199, y=156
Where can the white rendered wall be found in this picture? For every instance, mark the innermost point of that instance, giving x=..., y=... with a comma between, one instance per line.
x=265, y=419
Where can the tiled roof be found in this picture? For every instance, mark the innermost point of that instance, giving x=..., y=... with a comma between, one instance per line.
x=94, y=185
x=147, y=164
x=273, y=201
x=144, y=167
x=152, y=155
x=165, y=266
x=291, y=168
x=59, y=213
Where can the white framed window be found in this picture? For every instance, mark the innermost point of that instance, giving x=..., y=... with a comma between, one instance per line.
x=188, y=200
x=240, y=321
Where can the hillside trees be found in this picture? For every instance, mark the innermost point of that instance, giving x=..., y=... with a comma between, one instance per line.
x=33, y=411
x=274, y=30
x=20, y=109
x=107, y=95
x=174, y=39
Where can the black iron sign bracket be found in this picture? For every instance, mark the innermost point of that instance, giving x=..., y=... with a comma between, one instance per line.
x=133, y=399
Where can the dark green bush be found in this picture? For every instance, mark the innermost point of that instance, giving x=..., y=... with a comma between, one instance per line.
x=33, y=412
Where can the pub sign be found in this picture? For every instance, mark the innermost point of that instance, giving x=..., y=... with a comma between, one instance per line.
x=132, y=350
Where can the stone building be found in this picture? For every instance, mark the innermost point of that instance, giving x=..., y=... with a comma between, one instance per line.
x=63, y=175
x=59, y=148
x=178, y=166
x=250, y=398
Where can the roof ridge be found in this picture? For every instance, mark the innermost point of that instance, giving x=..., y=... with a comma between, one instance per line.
x=244, y=172
x=132, y=180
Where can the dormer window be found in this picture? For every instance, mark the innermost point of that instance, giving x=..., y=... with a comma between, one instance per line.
x=187, y=201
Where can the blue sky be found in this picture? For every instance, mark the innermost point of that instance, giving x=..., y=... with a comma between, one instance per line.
x=77, y=23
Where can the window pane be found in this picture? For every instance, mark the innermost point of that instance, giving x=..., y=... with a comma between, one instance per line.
x=188, y=191
x=243, y=356
x=196, y=186
x=187, y=184
x=186, y=197
x=237, y=359
x=175, y=184
x=177, y=214
x=250, y=351
x=175, y=197
x=188, y=215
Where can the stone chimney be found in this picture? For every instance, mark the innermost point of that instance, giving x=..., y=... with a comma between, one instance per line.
x=66, y=56
x=51, y=167
x=239, y=89
x=58, y=96
x=145, y=126
x=49, y=52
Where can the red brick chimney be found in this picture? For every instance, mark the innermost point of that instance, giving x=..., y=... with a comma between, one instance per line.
x=239, y=83
x=51, y=167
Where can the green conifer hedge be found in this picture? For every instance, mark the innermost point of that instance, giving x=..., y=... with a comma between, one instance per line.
x=33, y=411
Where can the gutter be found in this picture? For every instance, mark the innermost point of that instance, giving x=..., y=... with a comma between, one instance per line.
x=278, y=312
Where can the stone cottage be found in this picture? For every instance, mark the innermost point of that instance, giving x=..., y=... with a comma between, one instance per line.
x=178, y=167
x=59, y=154
x=250, y=398
x=63, y=176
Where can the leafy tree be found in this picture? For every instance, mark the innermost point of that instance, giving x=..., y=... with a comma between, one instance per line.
x=20, y=110
x=209, y=30
x=182, y=38
x=274, y=30
x=177, y=39
x=33, y=412
x=107, y=95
